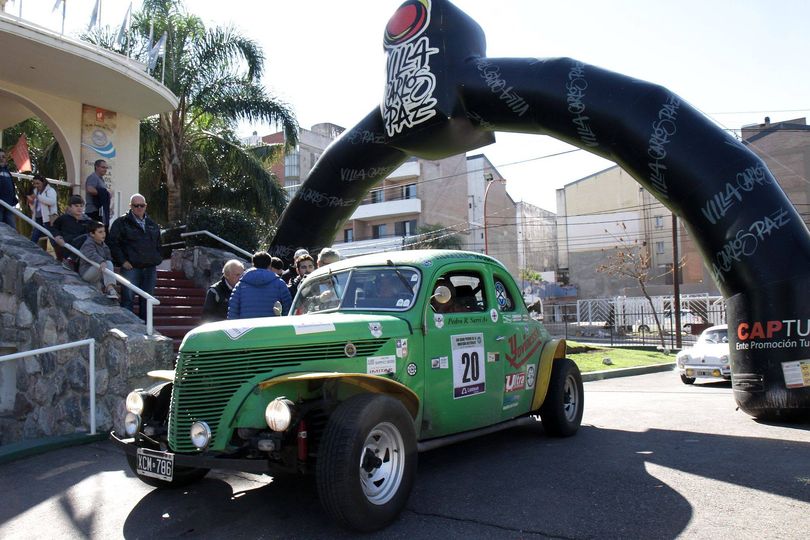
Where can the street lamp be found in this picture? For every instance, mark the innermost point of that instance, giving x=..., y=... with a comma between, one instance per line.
x=490, y=181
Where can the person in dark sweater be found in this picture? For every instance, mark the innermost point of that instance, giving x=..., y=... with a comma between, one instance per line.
x=70, y=226
x=258, y=291
x=218, y=295
x=135, y=245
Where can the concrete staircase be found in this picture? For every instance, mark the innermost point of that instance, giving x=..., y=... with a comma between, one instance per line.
x=180, y=308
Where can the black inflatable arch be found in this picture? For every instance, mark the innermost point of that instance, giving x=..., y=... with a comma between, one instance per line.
x=445, y=96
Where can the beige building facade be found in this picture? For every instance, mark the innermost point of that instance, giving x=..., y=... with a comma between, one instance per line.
x=63, y=82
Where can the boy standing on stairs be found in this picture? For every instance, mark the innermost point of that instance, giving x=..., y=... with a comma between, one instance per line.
x=97, y=251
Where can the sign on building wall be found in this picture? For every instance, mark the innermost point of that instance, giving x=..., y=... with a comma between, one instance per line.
x=98, y=142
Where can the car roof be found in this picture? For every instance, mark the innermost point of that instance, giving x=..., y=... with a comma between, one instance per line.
x=717, y=327
x=416, y=257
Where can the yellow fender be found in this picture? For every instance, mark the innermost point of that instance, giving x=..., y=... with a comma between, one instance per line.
x=552, y=350
x=359, y=381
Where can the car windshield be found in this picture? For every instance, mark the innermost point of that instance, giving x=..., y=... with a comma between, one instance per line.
x=714, y=336
x=378, y=288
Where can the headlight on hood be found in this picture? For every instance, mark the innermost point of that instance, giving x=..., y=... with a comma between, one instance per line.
x=278, y=414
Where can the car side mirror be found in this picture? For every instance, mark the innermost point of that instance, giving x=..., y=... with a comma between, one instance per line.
x=442, y=294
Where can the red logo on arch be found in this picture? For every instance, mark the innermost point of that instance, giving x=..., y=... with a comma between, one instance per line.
x=407, y=22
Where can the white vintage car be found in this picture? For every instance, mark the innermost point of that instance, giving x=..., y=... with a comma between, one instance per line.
x=708, y=359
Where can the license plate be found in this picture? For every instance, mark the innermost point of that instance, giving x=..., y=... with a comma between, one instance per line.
x=155, y=464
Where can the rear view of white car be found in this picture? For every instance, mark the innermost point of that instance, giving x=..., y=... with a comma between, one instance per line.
x=708, y=359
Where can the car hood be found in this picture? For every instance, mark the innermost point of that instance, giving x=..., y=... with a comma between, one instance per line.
x=293, y=331
x=710, y=352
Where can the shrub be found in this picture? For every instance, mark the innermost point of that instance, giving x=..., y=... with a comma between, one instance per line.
x=236, y=227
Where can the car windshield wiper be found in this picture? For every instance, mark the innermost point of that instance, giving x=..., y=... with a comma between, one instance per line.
x=400, y=276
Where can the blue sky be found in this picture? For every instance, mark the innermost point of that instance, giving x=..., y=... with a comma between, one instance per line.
x=736, y=60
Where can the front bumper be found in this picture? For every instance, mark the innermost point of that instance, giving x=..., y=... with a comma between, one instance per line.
x=703, y=371
x=200, y=461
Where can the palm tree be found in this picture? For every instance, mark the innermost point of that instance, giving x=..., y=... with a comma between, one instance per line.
x=216, y=75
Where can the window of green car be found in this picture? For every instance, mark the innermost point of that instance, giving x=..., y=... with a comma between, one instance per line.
x=379, y=288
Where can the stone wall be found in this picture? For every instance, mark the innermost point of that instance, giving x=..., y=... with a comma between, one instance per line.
x=43, y=304
x=203, y=265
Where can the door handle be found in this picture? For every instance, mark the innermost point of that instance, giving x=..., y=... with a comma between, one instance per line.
x=500, y=338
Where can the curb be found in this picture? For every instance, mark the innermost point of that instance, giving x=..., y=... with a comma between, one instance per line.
x=626, y=372
x=23, y=449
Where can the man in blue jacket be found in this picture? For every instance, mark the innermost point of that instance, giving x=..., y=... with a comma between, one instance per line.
x=258, y=291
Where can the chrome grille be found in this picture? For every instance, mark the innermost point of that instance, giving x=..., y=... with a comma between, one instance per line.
x=206, y=380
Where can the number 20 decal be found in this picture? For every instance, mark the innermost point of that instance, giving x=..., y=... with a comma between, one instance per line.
x=468, y=376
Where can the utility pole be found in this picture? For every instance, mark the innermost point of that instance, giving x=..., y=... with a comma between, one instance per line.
x=676, y=301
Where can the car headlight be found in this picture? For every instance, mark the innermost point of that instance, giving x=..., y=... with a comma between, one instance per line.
x=200, y=434
x=278, y=414
x=683, y=359
x=135, y=402
x=132, y=424
x=724, y=359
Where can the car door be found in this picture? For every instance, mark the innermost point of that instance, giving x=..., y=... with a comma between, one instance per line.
x=463, y=389
x=517, y=342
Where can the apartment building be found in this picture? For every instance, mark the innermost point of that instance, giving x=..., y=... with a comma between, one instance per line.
x=610, y=208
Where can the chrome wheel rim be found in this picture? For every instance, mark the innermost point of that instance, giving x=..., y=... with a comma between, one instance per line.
x=570, y=398
x=382, y=463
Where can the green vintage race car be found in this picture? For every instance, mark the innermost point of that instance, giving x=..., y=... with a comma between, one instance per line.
x=383, y=356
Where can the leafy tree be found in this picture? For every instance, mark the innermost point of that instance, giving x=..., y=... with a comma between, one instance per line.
x=192, y=151
x=527, y=274
x=434, y=237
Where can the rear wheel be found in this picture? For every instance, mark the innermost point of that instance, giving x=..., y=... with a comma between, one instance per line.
x=367, y=462
x=182, y=476
x=687, y=380
x=562, y=409
x=643, y=328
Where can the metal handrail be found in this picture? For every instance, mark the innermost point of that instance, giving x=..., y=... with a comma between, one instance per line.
x=221, y=240
x=91, y=357
x=150, y=300
x=23, y=176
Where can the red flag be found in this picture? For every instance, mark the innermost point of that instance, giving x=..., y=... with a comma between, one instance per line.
x=20, y=154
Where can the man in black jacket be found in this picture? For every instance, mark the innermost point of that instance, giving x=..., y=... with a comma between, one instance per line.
x=216, y=300
x=135, y=245
x=70, y=226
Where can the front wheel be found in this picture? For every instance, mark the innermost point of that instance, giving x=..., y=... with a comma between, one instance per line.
x=367, y=462
x=643, y=328
x=687, y=380
x=561, y=412
x=182, y=476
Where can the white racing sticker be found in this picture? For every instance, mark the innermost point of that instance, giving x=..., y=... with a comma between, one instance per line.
x=493, y=314
x=469, y=372
x=797, y=374
x=236, y=333
x=381, y=365
x=375, y=328
x=402, y=348
x=438, y=320
x=312, y=327
x=436, y=363
x=531, y=374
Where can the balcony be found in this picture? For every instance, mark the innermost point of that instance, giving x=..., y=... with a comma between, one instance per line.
x=397, y=207
x=409, y=169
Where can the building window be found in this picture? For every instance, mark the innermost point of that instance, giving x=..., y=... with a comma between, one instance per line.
x=377, y=196
x=659, y=248
x=659, y=222
x=409, y=191
x=348, y=235
x=292, y=168
x=405, y=228
x=378, y=231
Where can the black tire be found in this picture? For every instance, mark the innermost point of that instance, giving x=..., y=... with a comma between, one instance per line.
x=687, y=328
x=376, y=432
x=182, y=476
x=643, y=328
x=562, y=409
x=687, y=380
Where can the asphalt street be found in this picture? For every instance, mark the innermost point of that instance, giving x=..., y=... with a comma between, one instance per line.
x=653, y=459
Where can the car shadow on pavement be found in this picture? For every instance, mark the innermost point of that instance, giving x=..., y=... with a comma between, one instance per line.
x=516, y=483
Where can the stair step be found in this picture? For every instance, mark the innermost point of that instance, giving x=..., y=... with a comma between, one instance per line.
x=186, y=311
x=184, y=283
x=175, y=331
x=182, y=301
x=178, y=291
x=176, y=320
x=172, y=274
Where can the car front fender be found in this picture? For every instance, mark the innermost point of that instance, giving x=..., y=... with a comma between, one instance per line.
x=554, y=349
